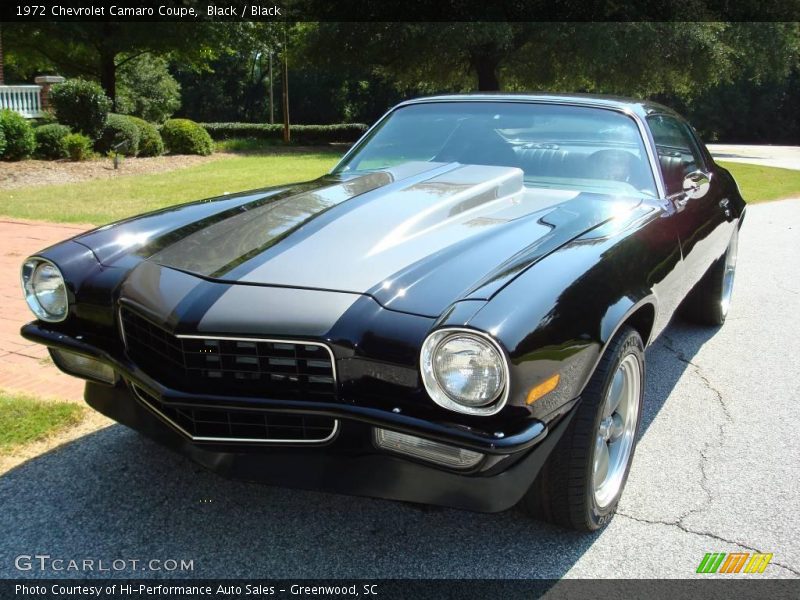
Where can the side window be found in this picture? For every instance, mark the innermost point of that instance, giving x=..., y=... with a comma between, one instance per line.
x=678, y=153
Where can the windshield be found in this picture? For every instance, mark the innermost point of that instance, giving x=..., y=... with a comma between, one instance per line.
x=568, y=147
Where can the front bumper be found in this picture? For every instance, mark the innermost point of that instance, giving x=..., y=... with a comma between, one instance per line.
x=349, y=463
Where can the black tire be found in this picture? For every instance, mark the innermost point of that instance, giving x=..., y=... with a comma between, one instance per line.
x=563, y=493
x=708, y=302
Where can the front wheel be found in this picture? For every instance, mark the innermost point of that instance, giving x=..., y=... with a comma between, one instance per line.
x=580, y=485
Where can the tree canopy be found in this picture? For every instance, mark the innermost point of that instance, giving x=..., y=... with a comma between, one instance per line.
x=98, y=50
x=355, y=71
x=638, y=58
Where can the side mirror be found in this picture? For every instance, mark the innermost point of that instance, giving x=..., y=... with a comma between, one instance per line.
x=696, y=184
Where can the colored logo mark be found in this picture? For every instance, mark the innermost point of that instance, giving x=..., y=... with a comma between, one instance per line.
x=735, y=562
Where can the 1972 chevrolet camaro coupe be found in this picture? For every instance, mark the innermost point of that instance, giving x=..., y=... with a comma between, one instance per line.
x=456, y=314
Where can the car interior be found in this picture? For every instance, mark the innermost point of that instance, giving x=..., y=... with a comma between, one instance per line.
x=477, y=142
x=564, y=147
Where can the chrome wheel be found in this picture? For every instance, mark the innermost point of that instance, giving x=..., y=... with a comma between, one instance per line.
x=616, y=431
x=729, y=273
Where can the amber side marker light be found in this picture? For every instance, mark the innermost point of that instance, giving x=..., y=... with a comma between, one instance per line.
x=547, y=386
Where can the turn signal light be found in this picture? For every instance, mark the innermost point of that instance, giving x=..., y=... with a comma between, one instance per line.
x=547, y=386
x=83, y=366
x=435, y=452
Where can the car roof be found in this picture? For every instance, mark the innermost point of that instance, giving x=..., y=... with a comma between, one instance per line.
x=640, y=107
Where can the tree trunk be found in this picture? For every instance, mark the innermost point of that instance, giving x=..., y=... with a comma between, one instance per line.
x=285, y=100
x=486, y=69
x=108, y=64
x=108, y=77
x=271, y=92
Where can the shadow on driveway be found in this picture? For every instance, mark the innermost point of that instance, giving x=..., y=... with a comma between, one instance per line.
x=114, y=494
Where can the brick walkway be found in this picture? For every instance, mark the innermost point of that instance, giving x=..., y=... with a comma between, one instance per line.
x=26, y=367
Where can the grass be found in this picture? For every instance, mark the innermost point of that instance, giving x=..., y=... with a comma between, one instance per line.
x=760, y=184
x=24, y=419
x=101, y=201
x=105, y=200
x=245, y=145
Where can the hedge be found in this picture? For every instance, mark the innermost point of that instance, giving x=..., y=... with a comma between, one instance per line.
x=182, y=136
x=302, y=134
x=150, y=142
x=81, y=105
x=79, y=146
x=50, y=141
x=20, y=141
x=119, y=129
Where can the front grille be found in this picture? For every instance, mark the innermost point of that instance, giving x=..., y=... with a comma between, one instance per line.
x=231, y=367
x=215, y=424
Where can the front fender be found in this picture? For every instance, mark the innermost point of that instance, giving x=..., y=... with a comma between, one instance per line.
x=559, y=316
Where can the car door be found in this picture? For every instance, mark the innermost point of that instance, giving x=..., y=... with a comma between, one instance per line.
x=702, y=216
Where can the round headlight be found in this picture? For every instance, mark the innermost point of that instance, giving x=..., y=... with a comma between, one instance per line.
x=45, y=290
x=464, y=371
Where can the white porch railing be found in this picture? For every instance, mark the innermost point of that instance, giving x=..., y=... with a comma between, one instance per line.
x=24, y=99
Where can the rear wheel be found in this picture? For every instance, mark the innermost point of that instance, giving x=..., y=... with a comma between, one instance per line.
x=581, y=483
x=708, y=302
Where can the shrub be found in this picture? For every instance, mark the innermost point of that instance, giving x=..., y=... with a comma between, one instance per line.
x=82, y=105
x=48, y=117
x=20, y=142
x=146, y=89
x=50, y=141
x=301, y=134
x=119, y=129
x=2, y=140
x=79, y=146
x=182, y=136
x=150, y=142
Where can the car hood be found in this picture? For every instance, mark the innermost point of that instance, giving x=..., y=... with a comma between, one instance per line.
x=416, y=238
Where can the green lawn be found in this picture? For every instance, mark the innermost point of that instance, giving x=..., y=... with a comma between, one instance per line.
x=105, y=200
x=101, y=201
x=24, y=419
x=759, y=184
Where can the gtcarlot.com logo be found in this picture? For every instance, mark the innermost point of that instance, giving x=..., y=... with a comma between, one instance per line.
x=48, y=563
x=735, y=562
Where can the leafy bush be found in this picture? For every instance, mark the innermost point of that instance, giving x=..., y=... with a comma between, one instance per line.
x=79, y=147
x=20, y=142
x=301, y=134
x=182, y=136
x=50, y=141
x=82, y=105
x=119, y=129
x=150, y=142
x=146, y=89
x=2, y=140
x=48, y=117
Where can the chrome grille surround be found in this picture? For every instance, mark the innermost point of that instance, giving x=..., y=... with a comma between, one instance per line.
x=235, y=425
x=230, y=366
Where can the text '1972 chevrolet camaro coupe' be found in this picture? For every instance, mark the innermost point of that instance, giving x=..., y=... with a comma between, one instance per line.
x=457, y=314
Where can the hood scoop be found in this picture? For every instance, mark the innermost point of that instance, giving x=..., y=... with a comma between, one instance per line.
x=415, y=237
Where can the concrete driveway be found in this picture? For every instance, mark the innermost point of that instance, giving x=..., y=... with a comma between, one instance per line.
x=716, y=471
x=785, y=157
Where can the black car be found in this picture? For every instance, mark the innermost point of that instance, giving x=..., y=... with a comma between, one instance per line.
x=456, y=314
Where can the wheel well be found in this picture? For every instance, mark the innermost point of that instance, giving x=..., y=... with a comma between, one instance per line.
x=642, y=320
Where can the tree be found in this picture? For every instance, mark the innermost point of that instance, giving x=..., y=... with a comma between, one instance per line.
x=234, y=85
x=146, y=89
x=99, y=50
x=639, y=58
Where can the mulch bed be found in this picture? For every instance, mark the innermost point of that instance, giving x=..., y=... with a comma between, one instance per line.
x=48, y=172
